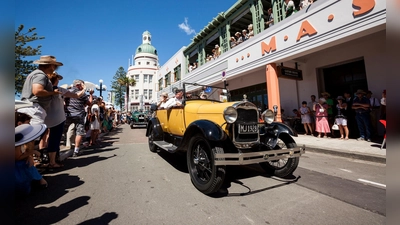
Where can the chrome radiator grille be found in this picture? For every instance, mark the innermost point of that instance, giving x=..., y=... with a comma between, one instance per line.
x=246, y=125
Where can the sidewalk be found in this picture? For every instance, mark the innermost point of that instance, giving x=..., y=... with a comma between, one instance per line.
x=370, y=151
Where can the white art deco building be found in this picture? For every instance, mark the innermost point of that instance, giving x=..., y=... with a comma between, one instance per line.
x=143, y=69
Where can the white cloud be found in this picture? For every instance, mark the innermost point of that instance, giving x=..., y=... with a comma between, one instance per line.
x=186, y=27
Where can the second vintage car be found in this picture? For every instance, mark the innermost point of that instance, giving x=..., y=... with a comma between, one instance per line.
x=138, y=119
x=214, y=133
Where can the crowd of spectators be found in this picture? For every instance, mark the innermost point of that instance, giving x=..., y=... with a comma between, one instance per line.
x=356, y=114
x=50, y=112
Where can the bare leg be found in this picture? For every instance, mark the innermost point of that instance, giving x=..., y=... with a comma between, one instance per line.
x=78, y=140
x=305, y=128
x=346, y=131
x=309, y=127
x=341, y=131
x=43, y=140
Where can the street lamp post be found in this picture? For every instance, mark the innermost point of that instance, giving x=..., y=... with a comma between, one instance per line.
x=101, y=87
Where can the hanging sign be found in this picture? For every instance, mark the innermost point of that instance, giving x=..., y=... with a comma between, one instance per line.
x=290, y=73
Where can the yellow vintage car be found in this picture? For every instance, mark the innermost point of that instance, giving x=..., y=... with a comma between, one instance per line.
x=215, y=132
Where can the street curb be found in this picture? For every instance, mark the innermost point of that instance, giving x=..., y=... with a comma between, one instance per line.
x=371, y=158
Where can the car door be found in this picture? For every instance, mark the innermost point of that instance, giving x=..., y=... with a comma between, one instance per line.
x=176, y=121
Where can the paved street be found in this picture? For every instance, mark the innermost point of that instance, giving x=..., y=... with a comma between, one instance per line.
x=124, y=183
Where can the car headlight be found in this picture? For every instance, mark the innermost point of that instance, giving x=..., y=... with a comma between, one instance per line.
x=230, y=114
x=269, y=116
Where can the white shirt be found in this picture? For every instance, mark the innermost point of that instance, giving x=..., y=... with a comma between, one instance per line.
x=383, y=101
x=172, y=102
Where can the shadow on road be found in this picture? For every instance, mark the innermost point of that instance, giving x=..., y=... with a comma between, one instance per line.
x=234, y=174
x=177, y=160
x=29, y=211
x=106, y=218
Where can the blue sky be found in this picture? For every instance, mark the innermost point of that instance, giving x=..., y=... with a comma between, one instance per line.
x=93, y=38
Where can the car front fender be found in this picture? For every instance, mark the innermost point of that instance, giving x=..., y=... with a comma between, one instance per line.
x=283, y=128
x=156, y=127
x=209, y=129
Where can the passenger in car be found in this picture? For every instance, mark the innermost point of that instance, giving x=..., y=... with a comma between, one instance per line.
x=163, y=100
x=175, y=101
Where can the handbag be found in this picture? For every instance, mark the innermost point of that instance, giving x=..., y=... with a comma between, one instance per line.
x=335, y=127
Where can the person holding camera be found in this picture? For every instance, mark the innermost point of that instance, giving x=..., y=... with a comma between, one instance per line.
x=321, y=118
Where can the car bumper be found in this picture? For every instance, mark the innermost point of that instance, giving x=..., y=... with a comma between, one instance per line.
x=140, y=124
x=257, y=157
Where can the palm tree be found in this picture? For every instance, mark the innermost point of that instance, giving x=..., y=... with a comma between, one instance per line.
x=127, y=81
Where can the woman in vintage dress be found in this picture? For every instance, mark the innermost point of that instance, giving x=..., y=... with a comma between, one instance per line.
x=321, y=116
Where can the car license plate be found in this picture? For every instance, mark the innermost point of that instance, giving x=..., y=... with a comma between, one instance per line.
x=248, y=129
x=141, y=117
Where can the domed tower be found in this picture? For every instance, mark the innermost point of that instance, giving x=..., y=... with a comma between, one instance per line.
x=143, y=70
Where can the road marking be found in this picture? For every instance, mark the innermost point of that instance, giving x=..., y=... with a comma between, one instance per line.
x=250, y=220
x=349, y=171
x=371, y=182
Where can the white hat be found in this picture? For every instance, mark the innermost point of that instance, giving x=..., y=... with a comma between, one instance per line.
x=22, y=104
x=25, y=133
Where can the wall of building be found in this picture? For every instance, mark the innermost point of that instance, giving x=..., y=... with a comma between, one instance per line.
x=371, y=48
x=177, y=59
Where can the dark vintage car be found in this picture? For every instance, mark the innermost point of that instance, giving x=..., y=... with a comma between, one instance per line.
x=214, y=133
x=138, y=119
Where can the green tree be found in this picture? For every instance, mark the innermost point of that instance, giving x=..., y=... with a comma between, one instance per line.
x=127, y=81
x=22, y=66
x=119, y=89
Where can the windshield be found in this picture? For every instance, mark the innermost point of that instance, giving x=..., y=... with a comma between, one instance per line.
x=194, y=91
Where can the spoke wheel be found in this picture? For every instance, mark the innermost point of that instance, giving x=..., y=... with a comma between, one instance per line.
x=152, y=146
x=205, y=176
x=282, y=167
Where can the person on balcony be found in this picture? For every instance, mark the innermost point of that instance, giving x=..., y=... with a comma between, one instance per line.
x=270, y=19
x=251, y=32
x=290, y=7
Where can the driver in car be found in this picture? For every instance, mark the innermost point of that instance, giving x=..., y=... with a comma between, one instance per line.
x=175, y=101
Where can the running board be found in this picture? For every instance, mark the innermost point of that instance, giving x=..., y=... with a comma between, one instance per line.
x=166, y=146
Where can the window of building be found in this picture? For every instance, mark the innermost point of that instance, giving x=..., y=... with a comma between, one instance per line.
x=145, y=78
x=136, y=94
x=167, y=79
x=150, y=79
x=160, y=84
x=177, y=73
x=148, y=63
x=349, y=76
x=137, y=78
x=139, y=63
x=150, y=94
x=145, y=93
x=257, y=94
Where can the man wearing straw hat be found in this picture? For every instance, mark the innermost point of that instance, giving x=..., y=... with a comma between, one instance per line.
x=38, y=90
